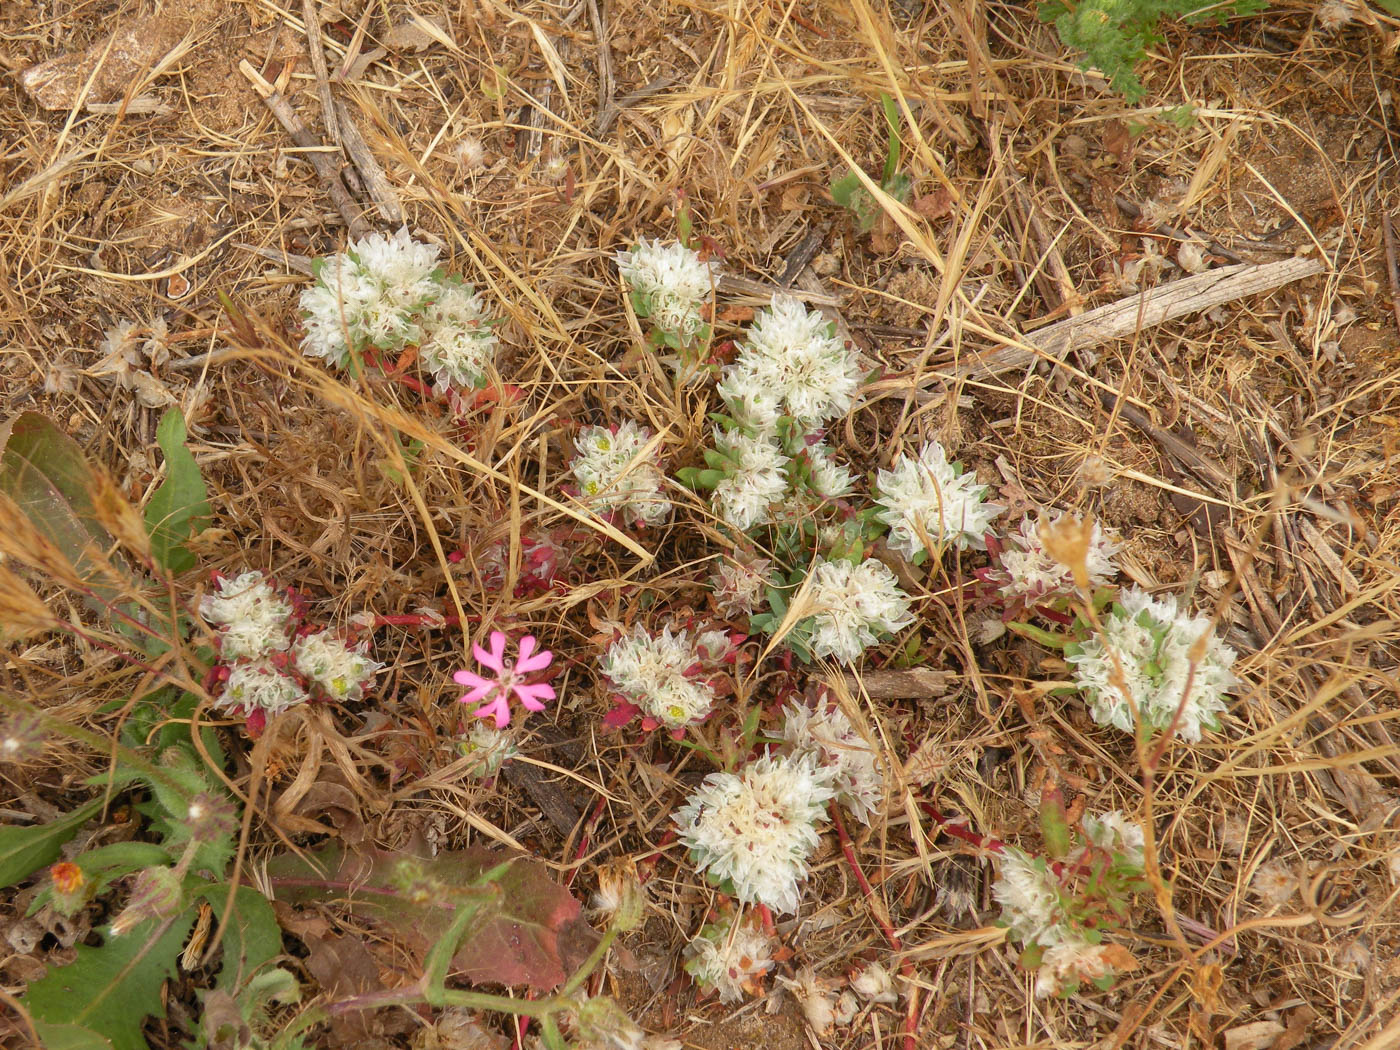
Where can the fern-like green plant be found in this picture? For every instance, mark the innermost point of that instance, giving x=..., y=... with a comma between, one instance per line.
x=1115, y=34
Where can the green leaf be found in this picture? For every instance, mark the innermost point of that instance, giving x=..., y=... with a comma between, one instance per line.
x=179, y=508
x=843, y=189
x=892, y=148
x=70, y=1037
x=24, y=851
x=114, y=988
x=251, y=939
x=53, y=484
x=104, y=865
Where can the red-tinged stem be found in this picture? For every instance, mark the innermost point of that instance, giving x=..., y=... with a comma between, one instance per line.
x=766, y=917
x=906, y=968
x=647, y=864
x=415, y=620
x=585, y=841
x=961, y=831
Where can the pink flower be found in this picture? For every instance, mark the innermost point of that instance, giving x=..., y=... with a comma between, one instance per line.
x=494, y=693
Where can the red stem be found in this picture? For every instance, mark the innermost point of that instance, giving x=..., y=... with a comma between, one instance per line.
x=906, y=968
x=583, y=842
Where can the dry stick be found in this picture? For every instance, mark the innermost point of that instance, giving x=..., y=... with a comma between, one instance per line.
x=377, y=184
x=312, y=19
x=1392, y=269
x=326, y=168
x=1163, y=303
x=606, y=84
x=906, y=968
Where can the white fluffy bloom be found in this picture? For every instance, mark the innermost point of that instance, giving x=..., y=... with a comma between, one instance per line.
x=1153, y=644
x=1027, y=574
x=828, y=478
x=1117, y=834
x=1336, y=14
x=252, y=617
x=740, y=586
x=1067, y=964
x=1030, y=899
x=758, y=478
x=342, y=673
x=613, y=475
x=852, y=606
x=489, y=748
x=875, y=984
x=458, y=341
x=854, y=764
x=756, y=411
x=728, y=958
x=793, y=356
x=927, y=498
x=371, y=295
x=758, y=828
x=259, y=687
x=662, y=673
x=669, y=284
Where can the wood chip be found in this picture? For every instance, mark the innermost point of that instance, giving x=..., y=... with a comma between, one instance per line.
x=910, y=683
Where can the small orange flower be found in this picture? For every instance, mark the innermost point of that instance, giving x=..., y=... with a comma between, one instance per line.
x=67, y=877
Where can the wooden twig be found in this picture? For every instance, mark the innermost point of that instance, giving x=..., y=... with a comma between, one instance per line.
x=606, y=84
x=311, y=16
x=316, y=152
x=1191, y=295
x=376, y=183
x=1391, y=266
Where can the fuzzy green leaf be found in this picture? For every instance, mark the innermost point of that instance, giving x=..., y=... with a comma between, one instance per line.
x=179, y=508
x=24, y=851
x=251, y=939
x=111, y=989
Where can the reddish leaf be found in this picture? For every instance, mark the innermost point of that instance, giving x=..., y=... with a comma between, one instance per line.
x=530, y=931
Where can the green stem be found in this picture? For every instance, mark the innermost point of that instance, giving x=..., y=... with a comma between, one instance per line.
x=589, y=964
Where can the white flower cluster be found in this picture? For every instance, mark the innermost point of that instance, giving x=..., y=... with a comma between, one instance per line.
x=851, y=607
x=1157, y=653
x=740, y=586
x=488, y=748
x=792, y=358
x=339, y=671
x=666, y=674
x=669, y=284
x=253, y=618
x=755, y=478
x=389, y=293
x=729, y=958
x=1026, y=574
x=928, y=502
x=758, y=827
x=255, y=624
x=854, y=763
x=615, y=473
x=1035, y=907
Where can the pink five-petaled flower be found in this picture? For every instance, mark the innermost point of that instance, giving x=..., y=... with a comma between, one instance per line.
x=494, y=693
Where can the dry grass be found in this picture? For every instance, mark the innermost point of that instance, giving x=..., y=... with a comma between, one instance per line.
x=1281, y=515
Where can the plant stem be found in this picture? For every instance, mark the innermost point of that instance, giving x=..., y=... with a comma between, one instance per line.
x=589, y=964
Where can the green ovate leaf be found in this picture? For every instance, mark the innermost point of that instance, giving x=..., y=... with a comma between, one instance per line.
x=179, y=508
x=112, y=989
x=251, y=939
x=528, y=930
x=24, y=851
x=53, y=484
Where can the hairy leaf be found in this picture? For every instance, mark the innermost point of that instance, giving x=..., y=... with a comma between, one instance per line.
x=112, y=989
x=179, y=508
x=529, y=932
x=252, y=937
x=24, y=851
x=56, y=488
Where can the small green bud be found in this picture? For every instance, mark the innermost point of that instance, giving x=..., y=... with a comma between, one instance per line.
x=602, y=1023
x=157, y=894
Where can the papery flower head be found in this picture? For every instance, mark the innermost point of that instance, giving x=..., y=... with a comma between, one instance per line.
x=757, y=828
x=1073, y=961
x=826, y=477
x=489, y=748
x=827, y=733
x=850, y=608
x=1155, y=650
x=253, y=617
x=927, y=500
x=730, y=957
x=792, y=355
x=511, y=679
x=338, y=670
x=667, y=675
x=669, y=285
x=371, y=295
x=1114, y=832
x=458, y=341
x=739, y=586
x=1025, y=574
x=755, y=478
x=1032, y=900
x=259, y=688
x=615, y=471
